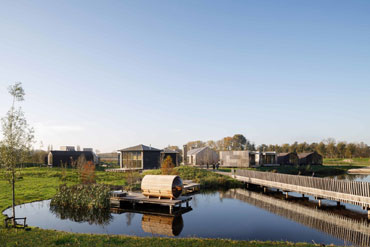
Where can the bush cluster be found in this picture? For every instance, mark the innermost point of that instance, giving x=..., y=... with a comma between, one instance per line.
x=91, y=196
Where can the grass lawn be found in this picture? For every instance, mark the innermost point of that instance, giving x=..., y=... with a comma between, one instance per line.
x=42, y=183
x=348, y=162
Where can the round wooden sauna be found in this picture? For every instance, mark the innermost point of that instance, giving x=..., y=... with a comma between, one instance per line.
x=162, y=225
x=161, y=186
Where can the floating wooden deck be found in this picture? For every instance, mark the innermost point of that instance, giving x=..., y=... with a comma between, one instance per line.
x=138, y=198
x=190, y=187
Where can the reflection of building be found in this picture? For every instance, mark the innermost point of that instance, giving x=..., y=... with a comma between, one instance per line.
x=112, y=158
x=288, y=159
x=140, y=157
x=312, y=158
x=162, y=225
x=202, y=156
x=247, y=158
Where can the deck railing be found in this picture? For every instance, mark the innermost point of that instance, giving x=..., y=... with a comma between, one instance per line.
x=341, y=186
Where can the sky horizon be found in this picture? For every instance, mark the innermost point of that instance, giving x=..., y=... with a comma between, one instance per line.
x=114, y=74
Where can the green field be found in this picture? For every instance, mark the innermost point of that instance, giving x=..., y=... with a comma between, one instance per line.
x=42, y=183
x=348, y=162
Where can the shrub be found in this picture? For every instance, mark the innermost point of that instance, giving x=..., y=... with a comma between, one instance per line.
x=91, y=196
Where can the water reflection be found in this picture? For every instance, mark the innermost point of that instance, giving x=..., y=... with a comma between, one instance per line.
x=329, y=219
x=162, y=225
x=92, y=216
x=353, y=177
x=235, y=214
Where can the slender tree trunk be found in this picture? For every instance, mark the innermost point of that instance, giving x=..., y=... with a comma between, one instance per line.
x=13, y=196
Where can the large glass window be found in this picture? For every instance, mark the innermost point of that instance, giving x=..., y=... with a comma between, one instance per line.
x=132, y=160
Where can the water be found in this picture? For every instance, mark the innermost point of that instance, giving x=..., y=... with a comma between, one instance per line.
x=354, y=177
x=235, y=214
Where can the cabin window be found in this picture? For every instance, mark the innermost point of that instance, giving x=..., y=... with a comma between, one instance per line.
x=132, y=160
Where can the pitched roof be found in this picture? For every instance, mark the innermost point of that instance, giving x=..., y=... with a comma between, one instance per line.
x=284, y=154
x=196, y=150
x=304, y=155
x=140, y=147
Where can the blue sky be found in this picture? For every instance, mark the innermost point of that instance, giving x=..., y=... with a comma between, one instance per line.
x=110, y=74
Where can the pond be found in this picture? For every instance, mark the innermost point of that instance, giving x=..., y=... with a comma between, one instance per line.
x=234, y=214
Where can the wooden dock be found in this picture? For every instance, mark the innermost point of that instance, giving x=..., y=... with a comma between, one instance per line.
x=190, y=187
x=137, y=198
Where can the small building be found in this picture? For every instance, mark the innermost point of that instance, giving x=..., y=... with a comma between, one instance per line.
x=140, y=157
x=69, y=158
x=312, y=158
x=202, y=156
x=266, y=158
x=172, y=153
x=244, y=159
x=67, y=148
x=290, y=158
x=240, y=159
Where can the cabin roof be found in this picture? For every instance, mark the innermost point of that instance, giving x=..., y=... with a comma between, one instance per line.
x=196, y=150
x=71, y=153
x=304, y=155
x=140, y=147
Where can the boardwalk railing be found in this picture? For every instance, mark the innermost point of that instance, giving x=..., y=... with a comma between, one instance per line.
x=354, y=192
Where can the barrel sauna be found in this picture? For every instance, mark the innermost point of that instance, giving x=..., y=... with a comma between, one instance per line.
x=162, y=225
x=162, y=186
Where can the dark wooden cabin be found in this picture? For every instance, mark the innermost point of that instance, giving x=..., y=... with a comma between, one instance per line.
x=140, y=157
x=172, y=153
x=68, y=158
x=290, y=158
x=312, y=158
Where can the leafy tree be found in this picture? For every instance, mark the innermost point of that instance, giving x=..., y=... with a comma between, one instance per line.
x=239, y=142
x=17, y=139
x=167, y=166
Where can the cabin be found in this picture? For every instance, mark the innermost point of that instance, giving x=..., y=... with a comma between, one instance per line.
x=266, y=158
x=245, y=159
x=202, y=156
x=239, y=159
x=69, y=158
x=140, y=157
x=290, y=158
x=312, y=158
x=175, y=156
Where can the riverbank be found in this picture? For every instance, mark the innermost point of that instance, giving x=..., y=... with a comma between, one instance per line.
x=41, y=183
x=39, y=237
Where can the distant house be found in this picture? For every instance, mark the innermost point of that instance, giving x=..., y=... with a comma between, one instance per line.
x=266, y=158
x=140, y=157
x=69, y=158
x=247, y=158
x=202, y=156
x=240, y=159
x=175, y=156
x=290, y=158
x=312, y=158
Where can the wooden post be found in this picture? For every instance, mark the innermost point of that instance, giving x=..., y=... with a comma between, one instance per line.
x=320, y=203
x=264, y=189
x=286, y=195
x=171, y=209
x=187, y=204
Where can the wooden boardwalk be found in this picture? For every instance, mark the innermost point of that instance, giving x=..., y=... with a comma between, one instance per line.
x=356, y=231
x=353, y=192
x=138, y=198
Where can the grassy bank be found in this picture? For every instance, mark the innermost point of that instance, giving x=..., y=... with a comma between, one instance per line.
x=348, y=162
x=207, y=179
x=38, y=237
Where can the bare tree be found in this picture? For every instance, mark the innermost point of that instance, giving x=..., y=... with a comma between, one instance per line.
x=17, y=139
